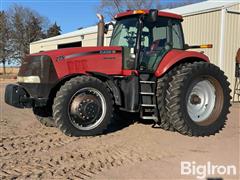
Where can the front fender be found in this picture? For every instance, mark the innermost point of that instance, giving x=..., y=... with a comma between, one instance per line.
x=176, y=56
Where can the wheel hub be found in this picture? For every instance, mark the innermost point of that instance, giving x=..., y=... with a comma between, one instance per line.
x=201, y=101
x=195, y=99
x=87, y=109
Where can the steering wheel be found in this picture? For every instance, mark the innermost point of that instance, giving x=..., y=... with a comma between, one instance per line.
x=131, y=38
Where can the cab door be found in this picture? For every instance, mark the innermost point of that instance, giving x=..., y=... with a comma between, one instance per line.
x=158, y=39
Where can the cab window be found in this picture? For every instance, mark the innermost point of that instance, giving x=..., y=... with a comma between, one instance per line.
x=177, y=35
x=125, y=33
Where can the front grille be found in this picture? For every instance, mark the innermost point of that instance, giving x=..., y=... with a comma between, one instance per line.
x=42, y=67
x=38, y=66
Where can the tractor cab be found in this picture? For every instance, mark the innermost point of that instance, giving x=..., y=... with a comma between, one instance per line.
x=146, y=36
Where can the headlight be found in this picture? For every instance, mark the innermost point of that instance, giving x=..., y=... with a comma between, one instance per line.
x=28, y=79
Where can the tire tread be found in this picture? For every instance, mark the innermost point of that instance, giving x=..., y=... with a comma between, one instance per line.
x=59, y=101
x=173, y=98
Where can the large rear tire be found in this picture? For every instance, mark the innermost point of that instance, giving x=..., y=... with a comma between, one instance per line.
x=83, y=107
x=162, y=86
x=198, y=99
x=161, y=92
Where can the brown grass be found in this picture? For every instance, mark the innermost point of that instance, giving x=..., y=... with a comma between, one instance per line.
x=11, y=73
x=10, y=70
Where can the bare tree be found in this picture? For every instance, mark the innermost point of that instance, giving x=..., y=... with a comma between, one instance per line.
x=111, y=8
x=26, y=26
x=5, y=46
x=175, y=4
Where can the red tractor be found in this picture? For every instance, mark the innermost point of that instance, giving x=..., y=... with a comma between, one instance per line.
x=146, y=70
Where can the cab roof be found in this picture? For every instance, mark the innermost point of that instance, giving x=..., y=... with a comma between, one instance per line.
x=146, y=11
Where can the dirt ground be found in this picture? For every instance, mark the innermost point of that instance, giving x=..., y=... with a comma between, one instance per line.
x=131, y=151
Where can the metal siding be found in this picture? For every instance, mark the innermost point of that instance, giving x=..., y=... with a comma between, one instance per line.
x=87, y=40
x=204, y=29
x=231, y=42
x=91, y=39
x=51, y=45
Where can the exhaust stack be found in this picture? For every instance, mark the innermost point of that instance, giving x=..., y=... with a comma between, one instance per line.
x=100, y=33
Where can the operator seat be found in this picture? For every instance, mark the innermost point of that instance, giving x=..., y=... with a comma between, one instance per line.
x=160, y=43
x=154, y=45
x=151, y=56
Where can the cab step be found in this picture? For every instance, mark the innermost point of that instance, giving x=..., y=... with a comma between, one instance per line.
x=147, y=82
x=147, y=93
x=148, y=105
x=150, y=117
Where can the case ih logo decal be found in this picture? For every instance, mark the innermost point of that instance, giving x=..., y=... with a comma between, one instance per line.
x=60, y=58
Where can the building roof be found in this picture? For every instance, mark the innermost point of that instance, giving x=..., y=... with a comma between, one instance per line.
x=88, y=30
x=203, y=7
x=197, y=8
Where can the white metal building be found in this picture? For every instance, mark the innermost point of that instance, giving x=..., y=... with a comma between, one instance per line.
x=218, y=23
x=212, y=21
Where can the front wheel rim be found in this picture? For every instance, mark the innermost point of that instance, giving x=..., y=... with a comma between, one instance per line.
x=87, y=108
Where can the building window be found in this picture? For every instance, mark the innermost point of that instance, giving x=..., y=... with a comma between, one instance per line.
x=69, y=45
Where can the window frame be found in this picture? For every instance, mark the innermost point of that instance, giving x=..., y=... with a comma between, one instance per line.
x=114, y=30
x=181, y=33
x=169, y=35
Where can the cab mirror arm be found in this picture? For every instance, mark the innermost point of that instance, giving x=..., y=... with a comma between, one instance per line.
x=106, y=27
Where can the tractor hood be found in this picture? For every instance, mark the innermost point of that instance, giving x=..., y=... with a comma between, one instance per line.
x=67, y=61
x=66, y=53
x=40, y=72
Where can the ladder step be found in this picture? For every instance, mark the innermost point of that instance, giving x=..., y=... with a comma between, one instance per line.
x=147, y=93
x=148, y=105
x=149, y=117
x=147, y=82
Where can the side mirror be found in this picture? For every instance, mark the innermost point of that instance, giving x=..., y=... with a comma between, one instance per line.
x=153, y=14
x=106, y=27
x=186, y=46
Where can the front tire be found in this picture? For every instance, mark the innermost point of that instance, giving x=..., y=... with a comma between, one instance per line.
x=44, y=116
x=198, y=99
x=83, y=107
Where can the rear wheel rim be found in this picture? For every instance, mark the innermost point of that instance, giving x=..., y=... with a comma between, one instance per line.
x=87, y=108
x=205, y=101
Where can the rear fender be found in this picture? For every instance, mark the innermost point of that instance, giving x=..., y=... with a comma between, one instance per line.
x=176, y=57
